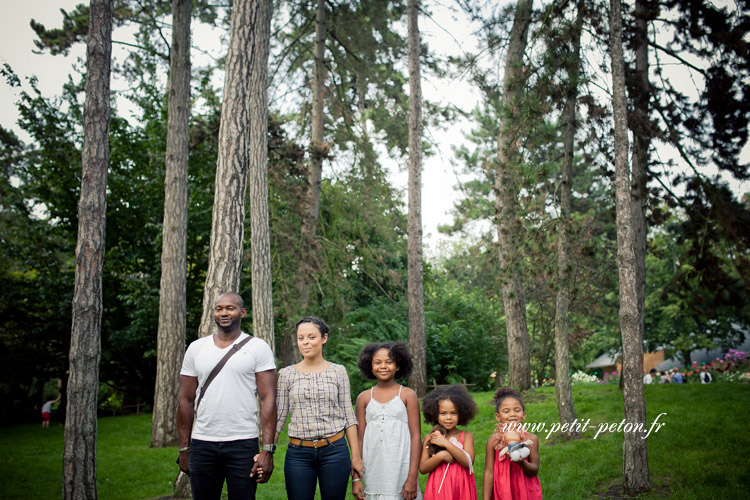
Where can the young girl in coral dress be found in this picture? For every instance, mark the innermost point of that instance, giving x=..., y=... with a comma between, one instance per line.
x=511, y=476
x=451, y=469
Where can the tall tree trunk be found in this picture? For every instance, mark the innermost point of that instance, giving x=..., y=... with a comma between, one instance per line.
x=565, y=408
x=230, y=190
x=79, y=457
x=318, y=152
x=641, y=144
x=507, y=221
x=415, y=292
x=172, y=306
x=258, y=153
x=634, y=448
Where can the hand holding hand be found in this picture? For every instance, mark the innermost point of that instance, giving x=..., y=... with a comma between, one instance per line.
x=358, y=490
x=358, y=469
x=263, y=467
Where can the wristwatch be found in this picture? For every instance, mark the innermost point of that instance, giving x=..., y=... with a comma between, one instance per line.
x=270, y=448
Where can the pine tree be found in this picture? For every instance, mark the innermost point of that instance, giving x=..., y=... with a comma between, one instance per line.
x=418, y=378
x=506, y=211
x=172, y=302
x=79, y=457
x=634, y=448
x=565, y=407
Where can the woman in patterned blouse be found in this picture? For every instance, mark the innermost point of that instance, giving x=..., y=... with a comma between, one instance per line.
x=315, y=395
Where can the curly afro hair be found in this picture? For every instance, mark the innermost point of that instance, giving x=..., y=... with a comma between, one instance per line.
x=504, y=393
x=399, y=354
x=456, y=394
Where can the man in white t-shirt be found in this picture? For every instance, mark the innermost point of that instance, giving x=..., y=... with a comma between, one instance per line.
x=222, y=445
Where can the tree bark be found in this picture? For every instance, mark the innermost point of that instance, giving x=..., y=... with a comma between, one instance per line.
x=79, y=456
x=230, y=190
x=641, y=144
x=415, y=290
x=258, y=156
x=635, y=454
x=507, y=221
x=565, y=407
x=172, y=301
x=318, y=152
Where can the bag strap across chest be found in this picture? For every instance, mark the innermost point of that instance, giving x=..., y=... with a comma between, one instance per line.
x=211, y=376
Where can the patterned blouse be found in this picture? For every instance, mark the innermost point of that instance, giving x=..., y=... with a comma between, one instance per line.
x=319, y=403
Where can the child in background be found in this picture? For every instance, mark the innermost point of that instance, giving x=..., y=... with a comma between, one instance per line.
x=451, y=470
x=389, y=430
x=47, y=411
x=505, y=478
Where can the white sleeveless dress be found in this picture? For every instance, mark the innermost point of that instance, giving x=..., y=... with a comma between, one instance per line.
x=386, y=449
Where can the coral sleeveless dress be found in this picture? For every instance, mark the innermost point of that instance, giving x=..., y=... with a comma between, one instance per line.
x=451, y=481
x=510, y=483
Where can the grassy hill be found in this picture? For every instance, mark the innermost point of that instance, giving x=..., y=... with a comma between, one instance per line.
x=699, y=453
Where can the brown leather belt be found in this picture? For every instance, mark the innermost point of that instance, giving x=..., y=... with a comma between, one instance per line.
x=317, y=443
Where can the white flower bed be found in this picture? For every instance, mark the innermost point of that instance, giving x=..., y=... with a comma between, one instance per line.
x=580, y=377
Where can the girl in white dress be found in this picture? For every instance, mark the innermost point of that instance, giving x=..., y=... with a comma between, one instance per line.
x=389, y=428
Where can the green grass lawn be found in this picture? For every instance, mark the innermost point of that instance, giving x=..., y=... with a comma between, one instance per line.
x=700, y=453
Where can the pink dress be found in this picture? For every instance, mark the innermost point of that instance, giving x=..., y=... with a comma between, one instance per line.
x=510, y=482
x=451, y=482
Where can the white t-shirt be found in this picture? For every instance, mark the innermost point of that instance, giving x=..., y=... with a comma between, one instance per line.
x=227, y=412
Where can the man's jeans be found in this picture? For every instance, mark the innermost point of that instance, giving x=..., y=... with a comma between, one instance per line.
x=213, y=462
x=304, y=467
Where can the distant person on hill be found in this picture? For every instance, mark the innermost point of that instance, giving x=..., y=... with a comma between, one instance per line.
x=47, y=410
x=677, y=377
x=705, y=375
x=649, y=377
x=664, y=379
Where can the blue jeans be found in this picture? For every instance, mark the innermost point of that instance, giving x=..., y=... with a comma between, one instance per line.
x=304, y=467
x=213, y=462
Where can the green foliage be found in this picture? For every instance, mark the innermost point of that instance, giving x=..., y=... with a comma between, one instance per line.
x=462, y=334
x=698, y=297
x=43, y=183
x=36, y=271
x=365, y=87
x=593, y=321
x=465, y=338
x=380, y=321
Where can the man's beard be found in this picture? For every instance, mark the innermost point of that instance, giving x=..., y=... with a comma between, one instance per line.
x=228, y=328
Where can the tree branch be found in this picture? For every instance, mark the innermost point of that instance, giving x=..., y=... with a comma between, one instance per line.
x=677, y=56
